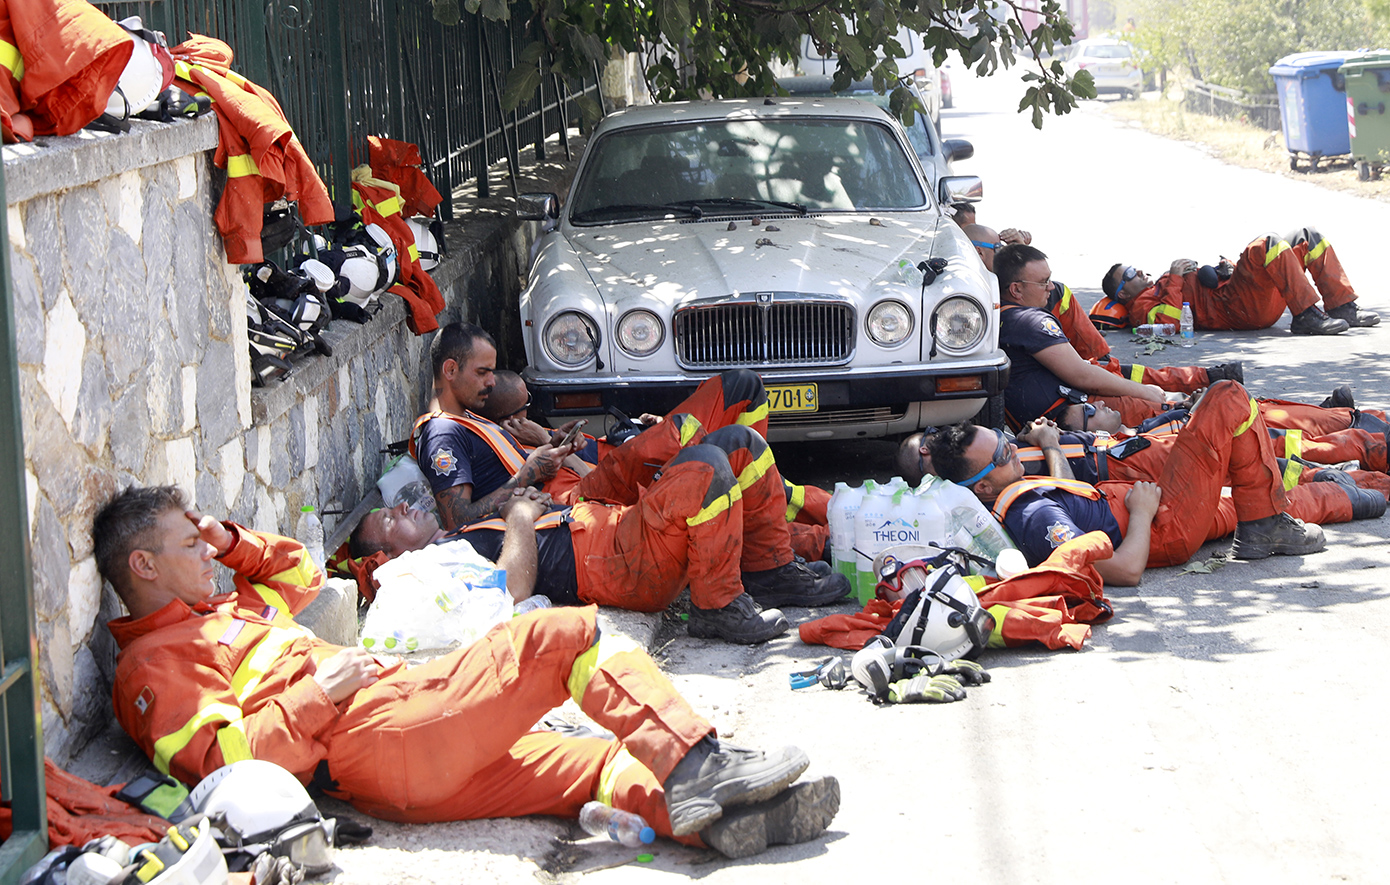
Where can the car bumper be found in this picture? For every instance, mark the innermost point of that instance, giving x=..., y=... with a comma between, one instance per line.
x=900, y=393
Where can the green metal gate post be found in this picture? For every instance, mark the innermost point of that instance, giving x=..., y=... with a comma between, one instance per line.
x=21, y=738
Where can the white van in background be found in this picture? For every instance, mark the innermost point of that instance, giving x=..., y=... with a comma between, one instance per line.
x=917, y=65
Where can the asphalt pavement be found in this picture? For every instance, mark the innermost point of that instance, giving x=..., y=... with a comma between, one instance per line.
x=1223, y=727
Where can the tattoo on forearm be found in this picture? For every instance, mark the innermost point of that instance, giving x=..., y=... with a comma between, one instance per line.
x=457, y=509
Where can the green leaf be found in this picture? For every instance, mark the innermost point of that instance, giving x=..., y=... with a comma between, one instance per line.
x=522, y=83
x=789, y=26
x=1205, y=567
x=592, y=110
x=496, y=10
x=853, y=51
x=446, y=12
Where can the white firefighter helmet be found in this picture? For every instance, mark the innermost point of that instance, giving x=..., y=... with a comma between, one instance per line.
x=320, y=273
x=267, y=808
x=361, y=270
x=143, y=78
x=426, y=246
x=940, y=613
x=386, y=256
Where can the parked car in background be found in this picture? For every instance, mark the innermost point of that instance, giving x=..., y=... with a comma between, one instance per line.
x=916, y=67
x=1112, y=64
x=798, y=238
x=936, y=155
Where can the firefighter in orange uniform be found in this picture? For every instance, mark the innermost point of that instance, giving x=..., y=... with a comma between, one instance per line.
x=1270, y=275
x=204, y=680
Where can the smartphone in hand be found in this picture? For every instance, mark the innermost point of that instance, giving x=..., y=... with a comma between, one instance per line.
x=575, y=435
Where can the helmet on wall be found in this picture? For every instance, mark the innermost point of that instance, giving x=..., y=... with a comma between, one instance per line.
x=429, y=240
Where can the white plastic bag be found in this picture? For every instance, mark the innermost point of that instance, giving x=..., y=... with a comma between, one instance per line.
x=435, y=597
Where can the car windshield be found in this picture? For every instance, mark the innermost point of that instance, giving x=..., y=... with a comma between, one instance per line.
x=1107, y=52
x=738, y=166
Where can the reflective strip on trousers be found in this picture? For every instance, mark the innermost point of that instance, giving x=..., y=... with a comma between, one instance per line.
x=1293, y=447
x=717, y=506
x=1316, y=252
x=608, y=778
x=1247, y=423
x=1274, y=252
x=795, y=500
x=11, y=59
x=587, y=664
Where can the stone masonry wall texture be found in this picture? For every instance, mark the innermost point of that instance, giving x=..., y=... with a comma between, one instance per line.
x=134, y=369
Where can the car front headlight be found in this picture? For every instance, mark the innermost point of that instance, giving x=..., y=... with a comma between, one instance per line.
x=959, y=323
x=640, y=332
x=889, y=323
x=571, y=338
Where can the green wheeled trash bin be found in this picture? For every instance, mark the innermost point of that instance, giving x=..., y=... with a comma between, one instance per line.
x=1368, y=111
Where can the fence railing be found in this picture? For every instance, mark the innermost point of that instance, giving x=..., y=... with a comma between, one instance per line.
x=1232, y=104
x=346, y=69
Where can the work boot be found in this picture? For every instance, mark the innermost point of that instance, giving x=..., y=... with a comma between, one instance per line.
x=799, y=814
x=1314, y=322
x=742, y=621
x=1353, y=315
x=1365, y=503
x=1231, y=371
x=1362, y=421
x=819, y=566
x=1341, y=398
x=1277, y=534
x=714, y=776
x=796, y=583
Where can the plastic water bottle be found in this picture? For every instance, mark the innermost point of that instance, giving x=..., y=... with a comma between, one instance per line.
x=970, y=521
x=310, y=534
x=530, y=604
x=930, y=518
x=1187, y=338
x=910, y=273
x=624, y=827
x=844, y=508
x=873, y=513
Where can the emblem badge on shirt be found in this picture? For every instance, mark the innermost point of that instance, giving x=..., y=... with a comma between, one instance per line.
x=144, y=699
x=1049, y=325
x=1058, y=534
x=444, y=462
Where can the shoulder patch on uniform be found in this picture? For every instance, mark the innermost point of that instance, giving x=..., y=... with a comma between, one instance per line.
x=144, y=699
x=1058, y=534
x=444, y=462
x=1050, y=326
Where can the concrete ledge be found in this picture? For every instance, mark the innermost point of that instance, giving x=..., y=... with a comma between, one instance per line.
x=52, y=164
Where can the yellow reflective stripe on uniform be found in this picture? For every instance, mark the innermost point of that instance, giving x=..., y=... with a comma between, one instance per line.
x=413, y=252
x=254, y=667
x=1000, y=612
x=1136, y=373
x=716, y=507
x=756, y=470
x=1065, y=304
x=1273, y=253
x=1292, y=472
x=242, y=165
x=11, y=58
x=1158, y=314
x=182, y=69
x=1316, y=252
x=357, y=201
x=388, y=206
x=233, y=743
x=1245, y=425
x=608, y=777
x=753, y=416
x=236, y=78
x=167, y=747
x=795, y=501
x=1293, y=446
x=584, y=666
x=690, y=425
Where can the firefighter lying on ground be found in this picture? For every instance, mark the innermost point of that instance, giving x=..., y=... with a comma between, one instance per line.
x=203, y=680
x=1225, y=443
x=1270, y=275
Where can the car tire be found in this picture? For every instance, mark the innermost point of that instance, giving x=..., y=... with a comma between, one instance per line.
x=991, y=414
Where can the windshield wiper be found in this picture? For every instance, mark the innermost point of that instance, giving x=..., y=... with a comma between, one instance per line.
x=798, y=208
x=620, y=208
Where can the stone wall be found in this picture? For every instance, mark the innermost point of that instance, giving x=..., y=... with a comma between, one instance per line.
x=134, y=368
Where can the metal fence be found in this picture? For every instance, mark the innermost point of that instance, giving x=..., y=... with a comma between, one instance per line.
x=1233, y=104
x=346, y=69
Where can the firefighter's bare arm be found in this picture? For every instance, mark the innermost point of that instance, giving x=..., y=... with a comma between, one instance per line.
x=456, y=504
x=1045, y=435
x=1126, y=567
x=519, y=548
x=1064, y=362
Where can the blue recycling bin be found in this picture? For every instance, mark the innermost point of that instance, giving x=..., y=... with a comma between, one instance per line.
x=1313, y=105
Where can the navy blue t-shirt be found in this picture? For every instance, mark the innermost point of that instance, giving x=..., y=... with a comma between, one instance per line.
x=1041, y=520
x=1023, y=332
x=452, y=455
x=555, y=564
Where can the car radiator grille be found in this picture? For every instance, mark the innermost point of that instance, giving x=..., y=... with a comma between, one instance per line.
x=725, y=336
x=837, y=418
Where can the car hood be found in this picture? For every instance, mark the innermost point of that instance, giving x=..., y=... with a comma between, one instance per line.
x=669, y=263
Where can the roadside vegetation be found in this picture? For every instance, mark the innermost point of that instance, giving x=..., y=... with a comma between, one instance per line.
x=1239, y=143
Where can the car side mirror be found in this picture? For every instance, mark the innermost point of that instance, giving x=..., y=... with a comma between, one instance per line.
x=957, y=149
x=960, y=189
x=537, y=207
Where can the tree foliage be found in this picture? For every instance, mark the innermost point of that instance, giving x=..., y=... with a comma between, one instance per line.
x=1233, y=42
x=722, y=48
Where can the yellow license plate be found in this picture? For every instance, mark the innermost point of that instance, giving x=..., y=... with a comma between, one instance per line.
x=792, y=398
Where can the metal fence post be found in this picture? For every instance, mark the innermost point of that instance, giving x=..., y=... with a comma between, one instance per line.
x=339, y=124
x=21, y=756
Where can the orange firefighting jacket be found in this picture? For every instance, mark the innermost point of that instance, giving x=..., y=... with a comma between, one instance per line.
x=255, y=144
x=60, y=61
x=399, y=163
x=230, y=678
x=379, y=202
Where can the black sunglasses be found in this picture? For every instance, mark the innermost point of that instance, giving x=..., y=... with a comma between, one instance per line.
x=526, y=405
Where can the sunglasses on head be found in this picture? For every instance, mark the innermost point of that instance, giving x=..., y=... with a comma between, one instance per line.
x=989, y=246
x=1002, y=455
x=526, y=405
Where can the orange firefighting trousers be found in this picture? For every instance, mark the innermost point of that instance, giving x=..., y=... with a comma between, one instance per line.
x=1270, y=277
